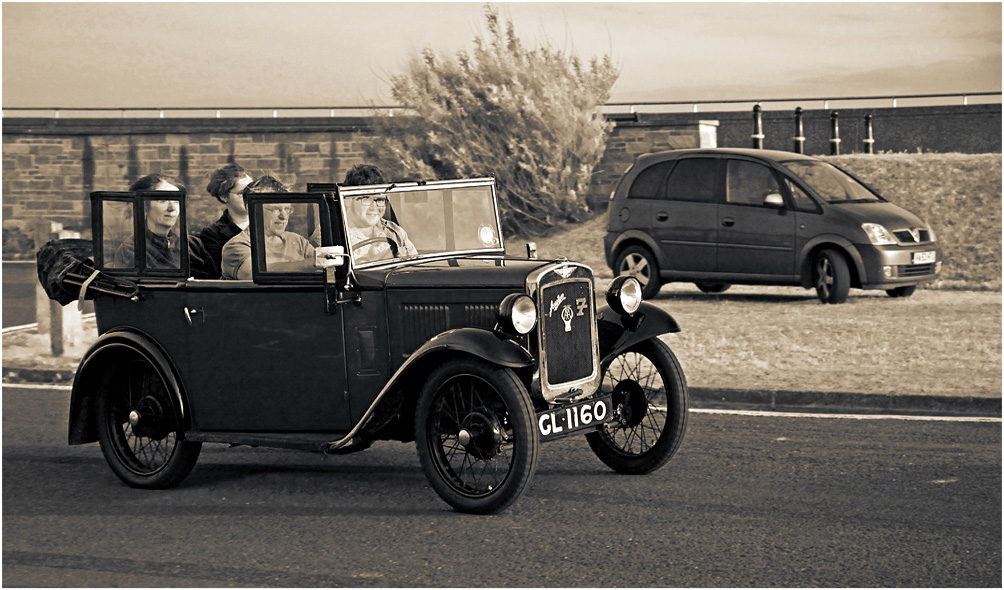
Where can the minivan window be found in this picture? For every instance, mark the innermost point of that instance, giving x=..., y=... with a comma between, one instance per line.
x=693, y=179
x=829, y=182
x=648, y=184
x=749, y=182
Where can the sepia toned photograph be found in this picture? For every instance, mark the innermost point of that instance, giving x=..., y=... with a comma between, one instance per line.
x=502, y=294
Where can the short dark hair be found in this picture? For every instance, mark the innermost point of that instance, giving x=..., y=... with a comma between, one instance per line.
x=265, y=184
x=224, y=180
x=149, y=181
x=361, y=174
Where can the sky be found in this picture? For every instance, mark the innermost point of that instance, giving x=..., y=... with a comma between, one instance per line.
x=217, y=55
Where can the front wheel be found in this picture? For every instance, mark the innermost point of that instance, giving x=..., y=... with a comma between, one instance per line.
x=638, y=262
x=475, y=435
x=901, y=291
x=650, y=393
x=139, y=430
x=833, y=279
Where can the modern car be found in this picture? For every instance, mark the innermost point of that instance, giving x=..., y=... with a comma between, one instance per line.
x=476, y=356
x=720, y=216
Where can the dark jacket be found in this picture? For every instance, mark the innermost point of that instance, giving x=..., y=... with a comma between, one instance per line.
x=214, y=236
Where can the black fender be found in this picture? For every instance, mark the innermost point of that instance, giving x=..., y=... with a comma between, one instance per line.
x=617, y=333
x=477, y=342
x=83, y=426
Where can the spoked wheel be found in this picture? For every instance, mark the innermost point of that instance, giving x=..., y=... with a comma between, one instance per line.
x=139, y=428
x=650, y=393
x=833, y=279
x=475, y=435
x=638, y=262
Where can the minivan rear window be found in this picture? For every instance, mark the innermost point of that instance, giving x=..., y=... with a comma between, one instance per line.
x=693, y=179
x=648, y=184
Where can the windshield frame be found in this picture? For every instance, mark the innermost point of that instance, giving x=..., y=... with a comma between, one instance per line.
x=346, y=192
x=844, y=178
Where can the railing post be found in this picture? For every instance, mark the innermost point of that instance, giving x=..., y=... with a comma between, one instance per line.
x=835, y=138
x=799, y=132
x=869, y=141
x=757, y=128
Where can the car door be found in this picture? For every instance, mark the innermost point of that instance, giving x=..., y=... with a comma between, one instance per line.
x=264, y=354
x=684, y=218
x=754, y=238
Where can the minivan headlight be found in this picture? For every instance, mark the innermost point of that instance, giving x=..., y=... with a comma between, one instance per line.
x=517, y=312
x=624, y=295
x=877, y=234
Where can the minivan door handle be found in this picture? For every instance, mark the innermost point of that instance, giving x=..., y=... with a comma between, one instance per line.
x=728, y=221
x=662, y=216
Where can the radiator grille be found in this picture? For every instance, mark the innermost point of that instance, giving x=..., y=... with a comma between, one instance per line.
x=906, y=237
x=567, y=331
x=915, y=270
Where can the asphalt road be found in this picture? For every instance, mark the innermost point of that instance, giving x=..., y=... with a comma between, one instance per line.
x=748, y=501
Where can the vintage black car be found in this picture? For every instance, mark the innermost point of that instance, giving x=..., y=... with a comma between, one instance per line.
x=430, y=333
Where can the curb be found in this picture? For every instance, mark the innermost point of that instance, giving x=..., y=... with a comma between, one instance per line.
x=702, y=397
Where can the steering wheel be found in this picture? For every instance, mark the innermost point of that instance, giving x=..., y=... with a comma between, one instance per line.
x=367, y=242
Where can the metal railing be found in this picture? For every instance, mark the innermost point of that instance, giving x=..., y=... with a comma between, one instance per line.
x=610, y=107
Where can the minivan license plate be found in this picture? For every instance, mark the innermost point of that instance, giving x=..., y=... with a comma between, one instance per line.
x=572, y=418
x=923, y=257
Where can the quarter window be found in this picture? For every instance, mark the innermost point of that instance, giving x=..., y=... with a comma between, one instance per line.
x=648, y=184
x=693, y=179
x=749, y=183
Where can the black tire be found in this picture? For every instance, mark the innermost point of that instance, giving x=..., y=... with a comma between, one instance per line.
x=648, y=385
x=713, y=287
x=475, y=435
x=139, y=429
x=901, y=291
x=831, y=277
x=638, y=262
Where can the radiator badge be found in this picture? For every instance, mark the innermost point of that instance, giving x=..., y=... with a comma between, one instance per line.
x=555, y=304
x=566, y=316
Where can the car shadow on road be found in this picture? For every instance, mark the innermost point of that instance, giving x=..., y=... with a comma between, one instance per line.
x=808, y=297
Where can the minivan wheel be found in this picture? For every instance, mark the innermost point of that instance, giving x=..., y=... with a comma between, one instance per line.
x=901, y=291
x=831, y=276
x=638, y=262
x=713, y=287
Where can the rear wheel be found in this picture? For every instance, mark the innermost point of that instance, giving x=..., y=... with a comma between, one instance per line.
x=139, y=429
x=475, y=435
x=650, y=393
x=638, y=262
x=713, y=287
x=832, y=277
x=901, y=291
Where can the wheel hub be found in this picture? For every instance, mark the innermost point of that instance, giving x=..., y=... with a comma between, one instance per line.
x=148, y=420
x=630, y=399
x=481, y=435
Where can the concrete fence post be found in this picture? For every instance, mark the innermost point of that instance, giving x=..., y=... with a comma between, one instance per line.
x=799, y=138
x=757, y=128
x=835, y=136
x=869, y=141
x=63, y=324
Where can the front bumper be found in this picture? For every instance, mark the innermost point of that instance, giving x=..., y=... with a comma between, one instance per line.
x=886, y=267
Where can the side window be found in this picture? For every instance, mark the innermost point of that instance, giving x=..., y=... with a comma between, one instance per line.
x=749, y=183
x=648, y=184
x=803, y=202
x=117, y=230
x=290, y=232
x=693, y=179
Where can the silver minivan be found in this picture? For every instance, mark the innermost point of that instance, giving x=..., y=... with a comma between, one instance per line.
x=724, y=216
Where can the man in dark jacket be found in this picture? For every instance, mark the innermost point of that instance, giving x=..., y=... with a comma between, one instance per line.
x=227, y=185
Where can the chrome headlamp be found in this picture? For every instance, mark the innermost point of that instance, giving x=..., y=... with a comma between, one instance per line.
x=517, y=313
x=624, y=295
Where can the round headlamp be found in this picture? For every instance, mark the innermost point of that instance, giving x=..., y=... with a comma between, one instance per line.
x=624, y=295
x=518, y=312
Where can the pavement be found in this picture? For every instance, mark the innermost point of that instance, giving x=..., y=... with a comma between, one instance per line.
x=28, y=359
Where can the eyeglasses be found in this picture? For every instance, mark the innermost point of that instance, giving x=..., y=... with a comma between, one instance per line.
x=380, y=202
x=276, y=209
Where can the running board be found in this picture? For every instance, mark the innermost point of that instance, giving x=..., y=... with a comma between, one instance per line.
x=311, y=441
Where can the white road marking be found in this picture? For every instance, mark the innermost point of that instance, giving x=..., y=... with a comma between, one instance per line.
x=38, y=386
x=847, y=416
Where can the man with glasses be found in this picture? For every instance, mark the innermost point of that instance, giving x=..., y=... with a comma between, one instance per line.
x=371, y=236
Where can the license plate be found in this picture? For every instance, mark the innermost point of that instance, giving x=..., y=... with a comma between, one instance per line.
x=923, y=257
x=574, y=417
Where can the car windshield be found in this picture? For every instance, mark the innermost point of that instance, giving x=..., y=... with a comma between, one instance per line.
x=417, y=221
x=829, y=182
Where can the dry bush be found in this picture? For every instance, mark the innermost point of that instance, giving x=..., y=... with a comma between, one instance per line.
x=529, y=117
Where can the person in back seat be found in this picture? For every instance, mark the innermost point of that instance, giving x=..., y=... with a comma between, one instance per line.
x=227, y=185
